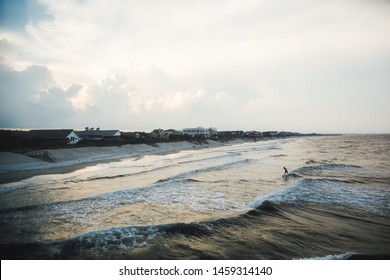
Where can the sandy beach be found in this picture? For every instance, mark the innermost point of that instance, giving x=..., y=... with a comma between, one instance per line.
x=15, y=167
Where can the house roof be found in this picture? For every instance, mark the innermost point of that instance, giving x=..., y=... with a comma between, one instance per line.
x=49, y=133
x=101, y=133
x=171, y=130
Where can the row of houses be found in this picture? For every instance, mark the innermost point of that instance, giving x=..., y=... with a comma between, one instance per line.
x=201, y=132
x=70, y=136
x=197, y=132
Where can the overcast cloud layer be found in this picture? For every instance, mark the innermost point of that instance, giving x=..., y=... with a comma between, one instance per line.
x=304, y=65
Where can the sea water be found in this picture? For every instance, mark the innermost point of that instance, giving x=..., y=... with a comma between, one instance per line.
x=227, y=202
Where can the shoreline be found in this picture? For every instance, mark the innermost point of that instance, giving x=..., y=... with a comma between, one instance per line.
x=15, y=167
x=16, y=176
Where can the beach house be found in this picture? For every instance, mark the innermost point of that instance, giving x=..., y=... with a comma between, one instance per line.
x=170, y=133
x=97, y=134
x=54, y=136
x=197, y=132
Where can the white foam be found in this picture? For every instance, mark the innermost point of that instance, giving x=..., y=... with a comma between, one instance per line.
x=331, y=192
x=332, y=257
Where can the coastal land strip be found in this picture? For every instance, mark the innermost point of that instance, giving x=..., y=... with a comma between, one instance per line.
x=16, y=167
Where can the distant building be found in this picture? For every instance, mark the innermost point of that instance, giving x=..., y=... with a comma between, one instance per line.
x=270, y=133
x=134, y=134
x=213, y=132
x=287, y=134
x=55, y=136
x=197, y=132
x=155, y=134
x=98, y=134
x=253, y=134
x=169, y=133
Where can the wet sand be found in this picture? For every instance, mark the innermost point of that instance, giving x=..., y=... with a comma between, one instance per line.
x=17, y=167
x=15, y=176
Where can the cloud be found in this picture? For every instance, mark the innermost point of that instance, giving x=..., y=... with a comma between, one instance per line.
x=175, y=102
x=110, y=93
x=29, y=98
x=250, y=65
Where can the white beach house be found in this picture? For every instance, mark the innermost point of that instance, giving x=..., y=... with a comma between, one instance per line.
x=54, y=135
x=198, y=132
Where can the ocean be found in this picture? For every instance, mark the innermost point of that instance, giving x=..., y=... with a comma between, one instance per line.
x=227, y=202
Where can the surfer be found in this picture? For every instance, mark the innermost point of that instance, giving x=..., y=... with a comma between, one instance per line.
x=285, y=171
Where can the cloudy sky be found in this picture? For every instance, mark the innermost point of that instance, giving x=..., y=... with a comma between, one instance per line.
x=295, y=65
